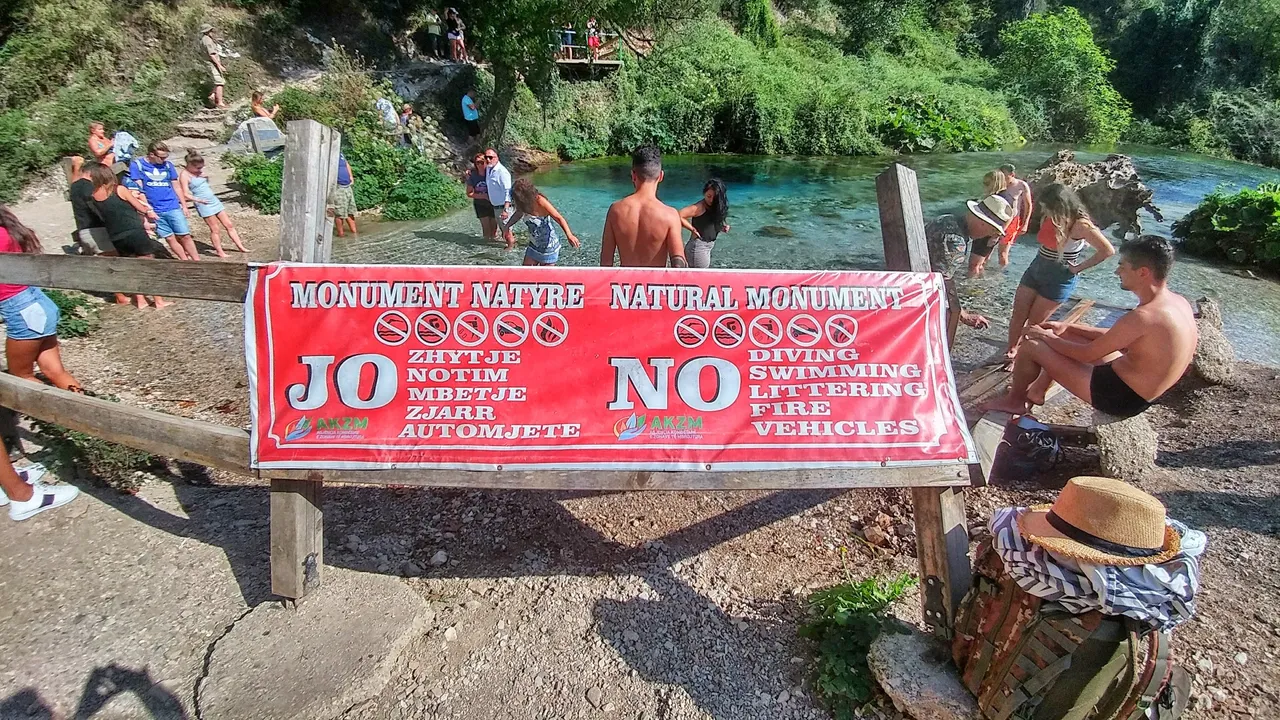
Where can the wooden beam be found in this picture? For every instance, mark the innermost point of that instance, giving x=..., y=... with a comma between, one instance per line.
x=297, y=537
x=310, y=170
x=194, y=280
x=170, y=436
x=625, y=481
x=942, y=538
x=988, y=433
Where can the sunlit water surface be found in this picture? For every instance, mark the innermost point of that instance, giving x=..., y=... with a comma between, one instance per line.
x=820, y=213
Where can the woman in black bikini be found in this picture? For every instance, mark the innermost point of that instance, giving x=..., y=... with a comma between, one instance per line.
x=705, y=220
x=122, y=213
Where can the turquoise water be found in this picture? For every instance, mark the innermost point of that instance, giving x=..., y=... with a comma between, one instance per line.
x=820, y=213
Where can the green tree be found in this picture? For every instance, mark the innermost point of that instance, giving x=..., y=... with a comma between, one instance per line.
x=1051, y=62
x=1242, y=45
x=758, y=24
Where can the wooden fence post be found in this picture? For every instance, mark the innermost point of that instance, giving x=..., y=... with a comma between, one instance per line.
x=310, y=167
x=942, y=535
x=306, y=235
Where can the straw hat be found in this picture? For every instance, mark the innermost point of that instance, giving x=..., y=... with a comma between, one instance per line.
x=1103, y=522
x=205, y=28
x=993, y=210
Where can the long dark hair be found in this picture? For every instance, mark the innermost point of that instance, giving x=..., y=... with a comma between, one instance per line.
x=525, y=194
x=25, y=236
x=1063, y=207
x=718, y=210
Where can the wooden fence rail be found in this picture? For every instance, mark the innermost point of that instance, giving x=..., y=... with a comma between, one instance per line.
x=297, y=496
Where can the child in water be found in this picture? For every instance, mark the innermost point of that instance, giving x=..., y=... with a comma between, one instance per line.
x=538, y=212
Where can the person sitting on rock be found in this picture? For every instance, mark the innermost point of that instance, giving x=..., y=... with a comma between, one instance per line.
x=1121, y=370
x=950, y=239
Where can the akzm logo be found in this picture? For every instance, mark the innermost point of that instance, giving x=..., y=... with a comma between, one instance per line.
x=331, y=428
x=658, y=426
x=629, y=427
x=297, y=429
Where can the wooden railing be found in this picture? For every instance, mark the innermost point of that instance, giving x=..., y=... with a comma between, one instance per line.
x=296, y=496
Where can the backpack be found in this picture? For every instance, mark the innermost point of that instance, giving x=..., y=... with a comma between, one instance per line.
x=1030, y=659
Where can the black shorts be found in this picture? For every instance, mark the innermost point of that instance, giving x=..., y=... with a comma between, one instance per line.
x=483, y=208
x=473, y=127
x=133, y=244
x=1112, y=395
x=982, y=247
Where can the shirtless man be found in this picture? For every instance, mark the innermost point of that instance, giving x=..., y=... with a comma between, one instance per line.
x=1119, y=371
x=640, y=228
x=99, y=145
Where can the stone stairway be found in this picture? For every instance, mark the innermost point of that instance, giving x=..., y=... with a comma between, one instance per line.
x=207, y=124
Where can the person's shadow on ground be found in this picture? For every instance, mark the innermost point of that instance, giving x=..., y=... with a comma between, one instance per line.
x=102, y=685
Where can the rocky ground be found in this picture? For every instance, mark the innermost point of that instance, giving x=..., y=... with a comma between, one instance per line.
x=557, y=604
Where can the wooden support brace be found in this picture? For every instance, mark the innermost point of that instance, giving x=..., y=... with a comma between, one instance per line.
x=297, y=537
x=942, y=538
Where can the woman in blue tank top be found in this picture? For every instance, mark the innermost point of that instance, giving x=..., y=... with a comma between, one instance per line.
x=196, y=190
x=538, y=213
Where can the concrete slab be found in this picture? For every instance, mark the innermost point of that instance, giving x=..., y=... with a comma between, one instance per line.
x=337, y=649
x=916, y=674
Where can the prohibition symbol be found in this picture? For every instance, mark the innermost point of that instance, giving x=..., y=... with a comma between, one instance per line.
x=510, y=329
x=432, y=328
x=841, y=330
x=765, y=331
x=804, y=330
x=550, y=329
x=471, y=328
x=692, y=331
x=729, y=331
x=391, y=328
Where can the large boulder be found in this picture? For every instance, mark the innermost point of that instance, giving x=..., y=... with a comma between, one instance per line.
x=916, y=674
x=1215, y=359
x=1126, y=448
x=1110, y=188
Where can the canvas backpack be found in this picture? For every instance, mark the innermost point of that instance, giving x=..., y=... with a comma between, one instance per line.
x=1025, y=658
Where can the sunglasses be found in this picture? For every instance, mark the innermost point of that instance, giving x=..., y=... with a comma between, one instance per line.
x=490, y=157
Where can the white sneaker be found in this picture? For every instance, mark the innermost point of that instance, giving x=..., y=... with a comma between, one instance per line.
x=30, y=475
x=43, y=497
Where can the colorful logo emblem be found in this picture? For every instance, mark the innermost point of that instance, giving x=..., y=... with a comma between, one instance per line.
x=629, y=427
x=297, y=429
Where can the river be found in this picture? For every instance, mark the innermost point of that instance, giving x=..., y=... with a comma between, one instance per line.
x=820, y=213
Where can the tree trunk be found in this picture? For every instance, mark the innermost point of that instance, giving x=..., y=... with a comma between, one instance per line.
x=504, y=93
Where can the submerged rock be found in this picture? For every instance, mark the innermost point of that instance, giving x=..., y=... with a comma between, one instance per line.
x=1110, y=188
x=776, y=231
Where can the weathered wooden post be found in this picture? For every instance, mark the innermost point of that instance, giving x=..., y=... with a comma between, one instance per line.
x=306, y=235
x=942, y=536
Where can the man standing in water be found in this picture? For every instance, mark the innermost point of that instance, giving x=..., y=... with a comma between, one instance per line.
x=1018, y=193
x=640, y=229
x=1119, y=371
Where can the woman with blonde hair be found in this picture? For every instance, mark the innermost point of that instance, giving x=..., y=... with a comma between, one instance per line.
x=993, y=183
x=195, y=187
x=1049, y=281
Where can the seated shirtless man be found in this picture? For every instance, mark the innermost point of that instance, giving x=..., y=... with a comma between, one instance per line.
x=640, y=229
x=1119, y=371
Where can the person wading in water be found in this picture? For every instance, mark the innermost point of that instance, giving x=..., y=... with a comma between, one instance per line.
x=538, y=214
x=640, y=230
x=705, y=220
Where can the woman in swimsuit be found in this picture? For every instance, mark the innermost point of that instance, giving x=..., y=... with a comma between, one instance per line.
x=705, y=220
x=258, y=105
x=30, y=317
x=1049, y=281
x=122, y=210
x=99, y=145
x=538, y=214
x=195, y=187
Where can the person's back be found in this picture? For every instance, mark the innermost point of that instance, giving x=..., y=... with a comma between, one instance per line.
x=640, y=229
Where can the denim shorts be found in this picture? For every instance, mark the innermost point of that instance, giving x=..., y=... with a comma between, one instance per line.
x=29, y=315
x=1050, y=279
x=171, y=222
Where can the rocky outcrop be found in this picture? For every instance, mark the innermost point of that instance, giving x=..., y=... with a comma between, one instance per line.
x=1126, y=448
x=1214, y=361
x=1110, y=188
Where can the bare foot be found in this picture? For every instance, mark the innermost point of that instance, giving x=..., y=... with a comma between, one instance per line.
x=1006, y=404
x=122, y=300
x=242, y=248
x=1011, y=354
x=221, y=254
x=142, y=303
x=161, y=303
x=1038, y=390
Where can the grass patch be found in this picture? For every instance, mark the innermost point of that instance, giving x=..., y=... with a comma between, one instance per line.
x=844, y=620
x=77, y=314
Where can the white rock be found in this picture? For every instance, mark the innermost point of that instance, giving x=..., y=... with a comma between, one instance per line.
x=914, y=672
x=1242, y=659
x=441, y=557
x=450, y=634
x=595, y=696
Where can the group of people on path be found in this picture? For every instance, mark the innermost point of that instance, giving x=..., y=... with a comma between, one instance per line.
x=594, y=38
x=653, y=240
x=1119, y=370
x=455, y=32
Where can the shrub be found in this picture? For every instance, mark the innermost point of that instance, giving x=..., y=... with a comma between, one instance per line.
x=77, y=314
x=758, y=23
x=1243, y=227
x=844, y=621
x=299, y=104
x=918, y=124
x=1247, y=123
x=424, y=193
x=260, y=181
x=1052, y=58
x=112, y=464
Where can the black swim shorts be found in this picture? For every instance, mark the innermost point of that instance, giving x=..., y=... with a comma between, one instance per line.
x=982, y=247
x=1112, y=395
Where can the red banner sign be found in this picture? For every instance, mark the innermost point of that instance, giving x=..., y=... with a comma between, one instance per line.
x=515, y=368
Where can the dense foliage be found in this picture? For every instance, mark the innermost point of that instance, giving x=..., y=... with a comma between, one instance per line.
x=425, y=192
x=844, y=620
x=77, y=314
x=259, y=180
x=1052, y=65
x=1243, y=227
x=711, y=90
